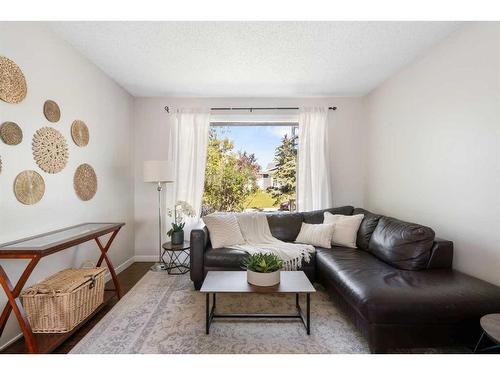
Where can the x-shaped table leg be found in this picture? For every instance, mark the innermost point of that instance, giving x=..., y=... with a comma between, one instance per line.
x=104, y=256
x=14, y=304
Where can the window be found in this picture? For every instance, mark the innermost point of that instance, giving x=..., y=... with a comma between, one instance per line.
x=251, y=167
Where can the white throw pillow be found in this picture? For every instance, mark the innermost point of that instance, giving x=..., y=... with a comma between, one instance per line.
x=224, y=230
x=346, y=228
x=316, y=234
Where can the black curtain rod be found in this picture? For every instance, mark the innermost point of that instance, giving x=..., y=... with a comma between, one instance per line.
x=251, y=109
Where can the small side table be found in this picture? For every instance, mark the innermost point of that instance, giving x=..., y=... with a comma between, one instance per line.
x=491, y=328
x=177, y=258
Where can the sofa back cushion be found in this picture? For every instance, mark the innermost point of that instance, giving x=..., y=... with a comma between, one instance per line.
x=285, y=226
x=317, y=217
x=366, y=228
x=401, y=244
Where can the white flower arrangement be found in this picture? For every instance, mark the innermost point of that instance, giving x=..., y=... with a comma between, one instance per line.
x=181, y=209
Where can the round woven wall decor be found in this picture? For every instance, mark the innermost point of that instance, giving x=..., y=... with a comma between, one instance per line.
x=12, y=82
x=51, y=111
x=29, y=187
x=80, y=133
x=50, y=150
x=85, y=182
x=11, y=133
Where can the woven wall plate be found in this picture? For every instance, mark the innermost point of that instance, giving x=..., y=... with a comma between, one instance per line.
x=51, y=111
x=50, y=150
x=80, y=133
x=29, y=187
x=11, y=133
x=12, y=82
x=85, y=182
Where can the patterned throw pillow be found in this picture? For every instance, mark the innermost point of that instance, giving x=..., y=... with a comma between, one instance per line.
x=316, y=234
x=224, y=230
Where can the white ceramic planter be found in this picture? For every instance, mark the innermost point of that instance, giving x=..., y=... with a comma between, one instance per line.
x=263, y=279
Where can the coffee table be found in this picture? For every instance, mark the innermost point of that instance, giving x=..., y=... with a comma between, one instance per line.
x=292, y=282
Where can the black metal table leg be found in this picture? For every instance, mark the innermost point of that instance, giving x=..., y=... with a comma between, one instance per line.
x=207, y=302
x=484, y=350
x=209, y=311
x=479, y=342
x=308, y=313
x=297, y=300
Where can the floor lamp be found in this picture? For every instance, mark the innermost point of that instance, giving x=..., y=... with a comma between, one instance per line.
x=158, y=172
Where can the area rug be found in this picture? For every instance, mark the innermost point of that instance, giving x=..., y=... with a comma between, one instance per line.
x=164, y=314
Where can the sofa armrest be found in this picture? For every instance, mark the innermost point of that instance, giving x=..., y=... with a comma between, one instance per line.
x=199, y=240
x=441, y=254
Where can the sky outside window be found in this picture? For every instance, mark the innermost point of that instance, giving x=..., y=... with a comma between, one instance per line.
x=255, y=139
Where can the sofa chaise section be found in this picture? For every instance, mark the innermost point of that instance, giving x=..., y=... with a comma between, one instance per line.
x=397, y=308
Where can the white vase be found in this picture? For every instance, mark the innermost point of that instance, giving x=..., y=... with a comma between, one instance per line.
x=263, y=279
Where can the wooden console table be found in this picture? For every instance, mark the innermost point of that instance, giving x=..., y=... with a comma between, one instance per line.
x=35, y=248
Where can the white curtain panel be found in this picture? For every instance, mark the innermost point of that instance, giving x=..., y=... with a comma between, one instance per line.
x=188, y=144
x=313, y=188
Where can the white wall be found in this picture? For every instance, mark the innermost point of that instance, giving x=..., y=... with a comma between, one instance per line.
x=151, y=142
x=433, y=148
x=53, y=70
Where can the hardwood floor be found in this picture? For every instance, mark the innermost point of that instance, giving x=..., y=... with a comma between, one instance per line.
x=128, y=278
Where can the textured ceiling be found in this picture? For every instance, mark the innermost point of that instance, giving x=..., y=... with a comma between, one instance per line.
x=242, y=59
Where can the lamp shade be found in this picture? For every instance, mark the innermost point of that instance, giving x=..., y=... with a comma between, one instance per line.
x=158, y=171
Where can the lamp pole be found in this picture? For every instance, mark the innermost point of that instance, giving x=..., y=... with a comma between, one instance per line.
x=158, y=172
x=160, y=265
x=160, y=260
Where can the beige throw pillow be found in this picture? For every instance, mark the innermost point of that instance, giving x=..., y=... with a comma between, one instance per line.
x=224, y=230
x=346, y=228
x=316, y=234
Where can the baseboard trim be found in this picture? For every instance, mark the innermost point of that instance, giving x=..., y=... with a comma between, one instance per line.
x=11, y=341
x=120, y=268
x=107, y=277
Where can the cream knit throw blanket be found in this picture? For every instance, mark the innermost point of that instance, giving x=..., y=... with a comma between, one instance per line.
x=258, y=239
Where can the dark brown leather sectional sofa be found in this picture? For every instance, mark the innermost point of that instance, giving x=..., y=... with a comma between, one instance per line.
x=398, y=287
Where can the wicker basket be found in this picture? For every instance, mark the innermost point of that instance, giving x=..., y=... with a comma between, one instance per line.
x=59, y=303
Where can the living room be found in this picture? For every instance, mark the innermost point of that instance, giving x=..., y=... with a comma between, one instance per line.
x=250, y=187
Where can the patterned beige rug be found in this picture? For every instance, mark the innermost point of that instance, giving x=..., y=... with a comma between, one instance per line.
x=164, y=314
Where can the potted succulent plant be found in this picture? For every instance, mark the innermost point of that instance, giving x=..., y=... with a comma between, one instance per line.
x=263, y=269
x=181, y=210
